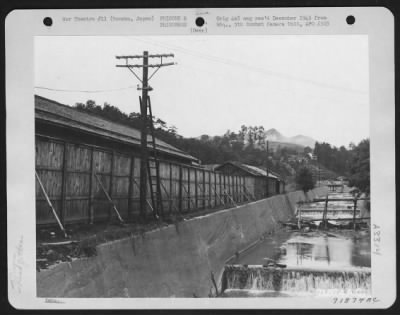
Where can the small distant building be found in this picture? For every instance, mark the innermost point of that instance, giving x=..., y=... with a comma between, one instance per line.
x=311, y=156
x=344, y=180
x=266, y=183
x=335, y=185
x=299, y=158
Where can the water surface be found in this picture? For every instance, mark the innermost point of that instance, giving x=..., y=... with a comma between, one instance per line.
x=310, y=264
x=339, y=250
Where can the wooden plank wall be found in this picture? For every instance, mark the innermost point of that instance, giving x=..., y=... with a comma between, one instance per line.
x=68, y=170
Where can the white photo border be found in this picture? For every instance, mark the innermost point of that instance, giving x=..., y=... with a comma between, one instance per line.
x=23, y=25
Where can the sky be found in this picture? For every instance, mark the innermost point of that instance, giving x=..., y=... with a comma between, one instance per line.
x=314, y=85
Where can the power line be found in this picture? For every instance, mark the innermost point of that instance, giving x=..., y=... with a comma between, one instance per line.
x=231, y=62
x=83, y=91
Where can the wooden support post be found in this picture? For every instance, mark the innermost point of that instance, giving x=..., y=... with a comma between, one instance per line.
x=234, y=188
x=130, y=189
x=354, y=213
x=170, y=188
x=237, y=188
x=196, y=194
x=180, y=189
x=244, y=188
x=215, y=189
x=220, y=184
x=235, y=196
x=188, y=191
x=111, y=183
x=324, y=215
x=209, y=190
x=224, y=189
x=190, y=199
x=147, y=200
x=245, y=193
x=161, y=195
x=229, y=187
x=220, y=198
x=166, y=193
x=91, y=188
x=240, y=187
x=204, y=189
x=230, y=198
x=113, y=206
x=64, y=186
x=51, y=205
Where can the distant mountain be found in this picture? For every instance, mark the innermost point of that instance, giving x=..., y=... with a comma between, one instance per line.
x=302, y=140
x=276, y=139
x=274, y=135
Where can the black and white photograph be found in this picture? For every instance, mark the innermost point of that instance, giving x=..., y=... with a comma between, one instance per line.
x=202, y=167
x=201, y=158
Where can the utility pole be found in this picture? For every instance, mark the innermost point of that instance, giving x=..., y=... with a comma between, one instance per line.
x=143, y=111
x=143, y=140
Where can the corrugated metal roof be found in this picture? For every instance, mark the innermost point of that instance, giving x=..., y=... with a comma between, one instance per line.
x=259, y=171
x=211, y=167
x=66, y=116
x=256, y=171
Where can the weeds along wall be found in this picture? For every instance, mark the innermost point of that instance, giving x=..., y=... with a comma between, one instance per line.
x=68, y=173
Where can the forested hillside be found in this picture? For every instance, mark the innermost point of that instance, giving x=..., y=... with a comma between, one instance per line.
x=248, y=145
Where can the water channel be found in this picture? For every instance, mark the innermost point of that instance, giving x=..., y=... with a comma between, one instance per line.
x=294, y=263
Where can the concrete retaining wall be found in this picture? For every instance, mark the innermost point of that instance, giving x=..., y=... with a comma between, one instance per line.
x=175, y=261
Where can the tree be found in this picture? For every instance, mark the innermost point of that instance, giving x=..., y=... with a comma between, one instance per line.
x=360, y=166
x=307, y=150
x=335, y=159
x=304, y=179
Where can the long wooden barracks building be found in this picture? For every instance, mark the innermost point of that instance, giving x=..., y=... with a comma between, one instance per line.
x=266, y=183
x=80, y=156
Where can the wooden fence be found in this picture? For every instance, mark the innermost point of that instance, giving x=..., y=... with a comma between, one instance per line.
x=67, y=171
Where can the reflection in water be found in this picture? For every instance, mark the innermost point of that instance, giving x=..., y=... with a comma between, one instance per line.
x=311, y=250
x=320, y=251
x=314, y=263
